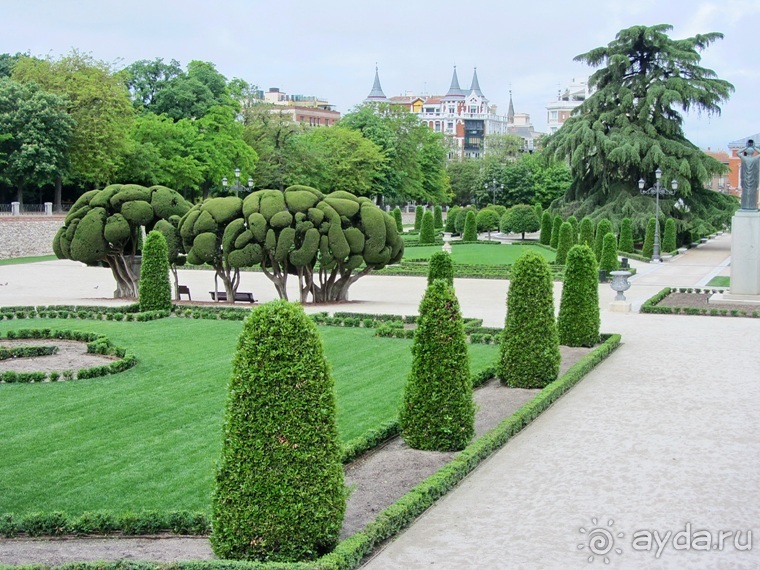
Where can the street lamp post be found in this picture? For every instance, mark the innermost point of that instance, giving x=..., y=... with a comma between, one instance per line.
x=493, y=187
x=658, y=190
x=238, y=187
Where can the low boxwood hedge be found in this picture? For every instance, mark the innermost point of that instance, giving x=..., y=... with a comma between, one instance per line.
x=651, y=305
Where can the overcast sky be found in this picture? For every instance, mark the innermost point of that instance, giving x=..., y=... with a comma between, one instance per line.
x=329, y=48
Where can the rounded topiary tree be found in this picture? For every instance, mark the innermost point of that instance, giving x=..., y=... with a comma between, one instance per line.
x=427, y=231
x=438, y=218
x=556, y=225
x=579, y=320
x=155, y=291
x=487, y=220
x=573, y=221
x=437, y=412
x=470, y=232
x=647, y=249
x=529, y=353
x=451, y=217
x=669, y=236
x=565, y=242
x=398, y=220
x=545, y=237
x=279, y=492
x=419, y=211
x=602, y=229
x=626, y=236
x=609, y=261
x=441, y=267
x=586, y=235
x=520, y=219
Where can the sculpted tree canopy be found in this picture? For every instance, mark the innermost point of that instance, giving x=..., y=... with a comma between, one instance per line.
x=103, y=226
x=632, y=124
x=321, y=238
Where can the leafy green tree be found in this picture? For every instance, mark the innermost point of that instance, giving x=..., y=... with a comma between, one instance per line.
x=529, y=349
x=669, y=237
x=464, y=177
x=503, y=148
x=438, y=217
x=427, y=231
x=564, y=243
x=626, y=236
x=7, y=61
x=441, y=267
x=419, y=211
x=470, y=232
x=451, y=217
x=586, y=236
x=520, y=219
x=647, y=250
x=487, y=220
x=145, y=79
x=155, y=292
x=35, y=132
x=437, y=412
x=279, y=494
x=556, y=225
x=545, y=238
x=579, y=319
x=602, y=229
x=632, y=124
x=609, y=261
x=399, y=221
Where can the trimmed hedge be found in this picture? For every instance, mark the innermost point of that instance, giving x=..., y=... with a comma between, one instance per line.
x=565, y=242
x=651, y=306
x=427, y=231
x=155, y=291
x=530, y=354
x=437, y=412
x=579, y=319
x=545, y=237
x=609, y=261
x=626, y=236
x=440, y=267
x=470, y=232
x=26, y=351
x=279, y=493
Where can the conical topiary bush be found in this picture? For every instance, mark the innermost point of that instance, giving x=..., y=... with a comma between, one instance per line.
x=556, y=225
x=427, y=231
x=438, y=218
x=440, y=267
x=565, y=242
x=579, y=320
x=418, y=212
x=586, y=236
x=609, y=261
x=647, y=250
x=470, y=227
x=155, y=291
x=669, y=236
x=602, y=229
x=626, y=236
x=545, y=237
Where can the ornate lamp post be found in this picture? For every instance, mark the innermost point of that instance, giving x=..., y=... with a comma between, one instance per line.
x=238, y=187
x=658, y=190
x=493, y=186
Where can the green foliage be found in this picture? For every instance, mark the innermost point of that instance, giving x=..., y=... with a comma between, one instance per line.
x=427, y=231
x=530, y=354
x=609, y=260
x=470, y=227
x=586, y=236
x=88, y=244
x=418, y=213
x=279, y=491
x=574, y=222
x=397, y=218
x=556, y=225
x=438, y=217
x=462, y=218
x=487, y=220
x=579, y=319
x=647, y=250
x=539, y=210
x=451, y=217
x=626, y=236
x=564, y=243
x=520, y=219
x=669, y=236
x=602, y=229
x=440, y=266
x=545, y=238
x=438, y=413
x=155, y=291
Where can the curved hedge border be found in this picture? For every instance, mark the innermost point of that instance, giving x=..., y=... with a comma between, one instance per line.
x=96, y=344
x=26, y=351
x=651, y=305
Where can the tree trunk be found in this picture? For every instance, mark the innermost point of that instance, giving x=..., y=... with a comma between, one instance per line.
x=127, y=283
x=20, y=193
x=57, y=207
x=176, y=281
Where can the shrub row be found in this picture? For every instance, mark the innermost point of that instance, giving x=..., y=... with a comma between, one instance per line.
x=26, y=351
x=419, y=267
x=651, y=306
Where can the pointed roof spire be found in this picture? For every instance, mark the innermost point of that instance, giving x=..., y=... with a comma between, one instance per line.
x=475, y=85
x=377, y=92
x=455, y=91
x=511, y=110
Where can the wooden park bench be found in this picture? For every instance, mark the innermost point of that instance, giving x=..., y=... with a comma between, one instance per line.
x=183, y=290
x=239, y=296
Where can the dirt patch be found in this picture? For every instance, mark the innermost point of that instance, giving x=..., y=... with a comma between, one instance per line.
x=702, y=301
x=376, y=480
x=71, y=355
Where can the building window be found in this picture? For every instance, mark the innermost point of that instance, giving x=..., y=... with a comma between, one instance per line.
x=552, y=115
x=451, y=109
x=438, y=126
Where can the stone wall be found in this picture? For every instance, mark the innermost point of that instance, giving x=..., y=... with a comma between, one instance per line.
x=28, y=236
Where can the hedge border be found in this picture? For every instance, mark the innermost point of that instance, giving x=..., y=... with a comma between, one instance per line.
x=651, y=305
x=350, y=552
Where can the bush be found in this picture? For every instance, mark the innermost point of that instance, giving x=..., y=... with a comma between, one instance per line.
x=669, y=237
x=438, y=218
x=529, y=346
x=574, y=223
x=539, y=210
x=397, y=218
x=487, y=220
x=520, y=219
x=579, y=319
x=427, y=231
x=419, y=211
x=155, y=291
x=556, y=225
x=279, y=492
x=565, y=242
x=440, y=267
x=626, y=236
x=437, y=412
x=602, y=229
x=451, y=218
x=461, y=219
x=545, y=238
x=470, y=228
x=648, y=248
x=609, y=261
x=586, y=236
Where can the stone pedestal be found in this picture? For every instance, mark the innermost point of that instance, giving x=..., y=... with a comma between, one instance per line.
x=620, y=307
x=745, y=253
x=48, y=208
x=15, y=208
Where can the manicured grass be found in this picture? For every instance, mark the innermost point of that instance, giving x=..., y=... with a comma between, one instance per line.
x=148, y=438
x=720, y=281
x=478, y=254
x=18, y=260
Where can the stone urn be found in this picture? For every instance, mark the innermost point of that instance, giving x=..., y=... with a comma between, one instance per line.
x=446, y=243
x=620, y=283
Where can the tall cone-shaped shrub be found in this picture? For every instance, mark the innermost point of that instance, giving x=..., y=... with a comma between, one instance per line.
x=539, y=210
x=626, y=236
x=418, y=213
x=398, y=220
x=437, y=412
x=556, y=225
x=451, y=218
x=438, y=218
x=579, y=320
x=279, y=492
x=647, y=250
x=530, y=346
x=545, y=237
x=609, y=261
x=440, y=267
x=155, y=291
x=602, y=229
x=427, y=231
x=669, y=236
x=470, y=227
x=574, y=222
x=586, y=236
x=565, y=242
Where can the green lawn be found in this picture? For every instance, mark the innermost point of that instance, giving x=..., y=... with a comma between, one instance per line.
x=479, y=254
x=720, y=281
x=17, y=260
x=148, y=438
